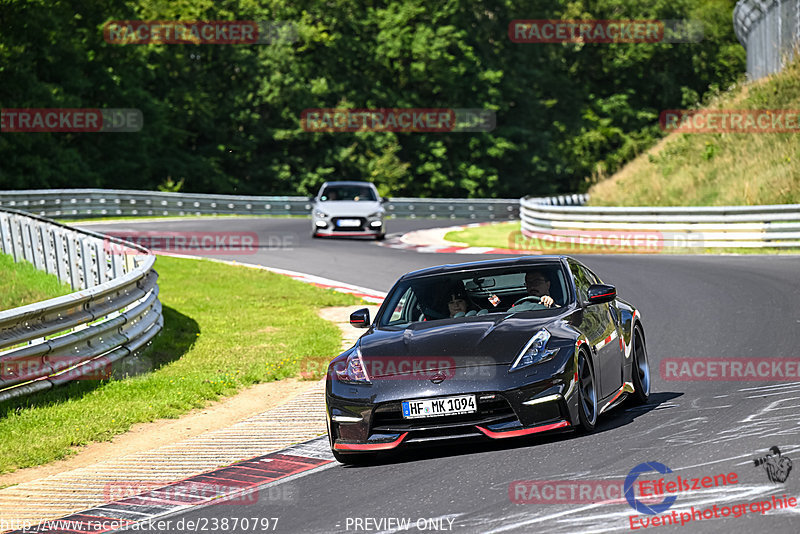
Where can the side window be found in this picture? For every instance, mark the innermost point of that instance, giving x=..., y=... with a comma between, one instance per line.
x=593, y=278
x=582, y=281
x=404, y=308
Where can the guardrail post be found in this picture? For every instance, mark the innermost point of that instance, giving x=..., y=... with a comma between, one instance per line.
x=72, y=262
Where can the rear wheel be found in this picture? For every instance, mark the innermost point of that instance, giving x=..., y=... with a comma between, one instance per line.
x=587, y=393
x=641, y=369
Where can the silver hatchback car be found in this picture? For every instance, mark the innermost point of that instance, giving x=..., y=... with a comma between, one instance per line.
x=348, y=209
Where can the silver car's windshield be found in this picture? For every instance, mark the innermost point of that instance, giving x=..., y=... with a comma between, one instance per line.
x=347, y=192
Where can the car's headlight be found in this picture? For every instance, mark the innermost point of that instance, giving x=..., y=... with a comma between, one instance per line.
x=320, y=213
x=376, y=214
x=535, y=351
x=354, y=370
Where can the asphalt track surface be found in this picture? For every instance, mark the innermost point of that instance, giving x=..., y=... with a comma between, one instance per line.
x=692, y=306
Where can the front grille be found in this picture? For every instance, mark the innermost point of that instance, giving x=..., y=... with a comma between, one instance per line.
x=388, y=417
x=360, y=228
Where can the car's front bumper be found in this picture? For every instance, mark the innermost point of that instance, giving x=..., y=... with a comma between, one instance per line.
x=330, y=226
x=364, y=418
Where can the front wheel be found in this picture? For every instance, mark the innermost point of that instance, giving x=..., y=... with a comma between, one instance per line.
x=380, y=237
x=641, y=369
x=587, y=394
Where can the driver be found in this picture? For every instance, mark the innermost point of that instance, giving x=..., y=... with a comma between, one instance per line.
x=538, y=285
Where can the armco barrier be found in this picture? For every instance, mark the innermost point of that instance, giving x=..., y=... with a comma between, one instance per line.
x=114, y=313
x=675, y=227
x=86, y=203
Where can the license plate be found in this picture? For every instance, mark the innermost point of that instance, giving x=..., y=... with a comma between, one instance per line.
x=436, y=407
x=348, y=223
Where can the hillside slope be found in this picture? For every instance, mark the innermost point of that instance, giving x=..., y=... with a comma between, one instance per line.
x=720, y=168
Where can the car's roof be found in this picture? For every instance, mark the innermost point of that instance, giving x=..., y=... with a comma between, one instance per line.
x=522, y=261
x=345, y=182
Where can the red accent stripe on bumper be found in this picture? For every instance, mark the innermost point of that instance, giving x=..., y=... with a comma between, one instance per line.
x=370, y=446
x=522, y=431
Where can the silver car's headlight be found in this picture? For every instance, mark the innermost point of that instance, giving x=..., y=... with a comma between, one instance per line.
x=320, y=213
x=376, y=214
x=535, y=351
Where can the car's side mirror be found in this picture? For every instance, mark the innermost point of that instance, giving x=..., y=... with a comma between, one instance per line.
x=360, y=318
x=312, y=198
x=600, y=293
x=384, y=200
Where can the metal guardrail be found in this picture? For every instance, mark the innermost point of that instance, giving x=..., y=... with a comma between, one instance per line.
x=666, y=227
x=86, y=203
x=114, y=313
x=770, y=31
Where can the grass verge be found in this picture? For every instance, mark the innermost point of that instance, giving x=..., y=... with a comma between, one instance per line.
x=506, y=235
x=722, y=168
x=22, y=283
x=225, y=327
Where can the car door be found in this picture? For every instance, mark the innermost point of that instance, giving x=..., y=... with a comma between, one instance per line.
x=600, y=328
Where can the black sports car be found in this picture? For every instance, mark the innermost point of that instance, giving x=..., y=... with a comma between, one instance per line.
x=499, y=348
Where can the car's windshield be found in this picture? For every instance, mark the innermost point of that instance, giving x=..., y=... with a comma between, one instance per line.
x=475, y=293
x=347, y=192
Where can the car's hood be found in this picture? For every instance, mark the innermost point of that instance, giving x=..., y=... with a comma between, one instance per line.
x=482, y=340
x=351, y=208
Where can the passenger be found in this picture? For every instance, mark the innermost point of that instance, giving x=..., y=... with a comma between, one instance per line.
x=457, y=305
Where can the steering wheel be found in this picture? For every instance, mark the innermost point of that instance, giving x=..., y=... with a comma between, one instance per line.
x=530, y=298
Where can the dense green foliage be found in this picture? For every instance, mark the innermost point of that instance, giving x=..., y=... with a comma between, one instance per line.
x=226, y=119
